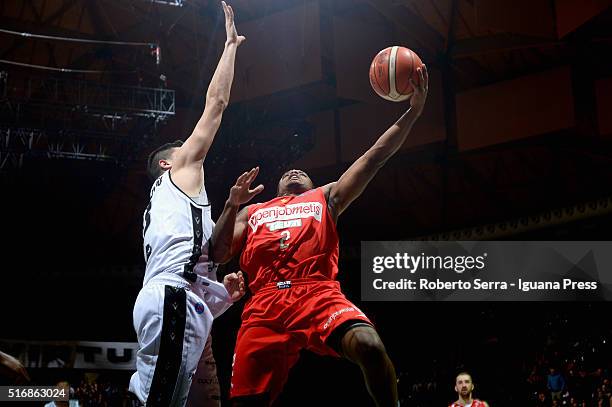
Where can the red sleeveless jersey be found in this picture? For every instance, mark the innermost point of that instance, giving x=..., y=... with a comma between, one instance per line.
x=290, y=237
x=475, y=403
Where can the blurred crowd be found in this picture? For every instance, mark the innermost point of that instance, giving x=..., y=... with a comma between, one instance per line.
x=576, y=376
x=551, y=358
x=564, y=361
x=103, y=393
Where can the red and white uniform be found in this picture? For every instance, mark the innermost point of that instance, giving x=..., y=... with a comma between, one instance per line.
x=291, y=259
x=475, y=403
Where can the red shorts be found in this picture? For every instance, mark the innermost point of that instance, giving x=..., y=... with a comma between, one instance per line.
x=277, y=324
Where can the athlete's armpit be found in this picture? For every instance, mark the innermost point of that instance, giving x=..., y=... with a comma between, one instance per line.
x=330, y=204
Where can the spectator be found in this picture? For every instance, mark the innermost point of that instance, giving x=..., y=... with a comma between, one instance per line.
x=70, y=403
x=556, y=384
x=541, y=401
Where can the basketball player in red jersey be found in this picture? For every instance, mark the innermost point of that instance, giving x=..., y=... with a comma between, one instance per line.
x=464, y=388
x=289, y=251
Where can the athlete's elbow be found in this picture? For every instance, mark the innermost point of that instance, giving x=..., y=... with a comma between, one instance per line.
x=224, y=260
x=220, y=255
x=216, y=102
x=374, y=160
x=217, y=256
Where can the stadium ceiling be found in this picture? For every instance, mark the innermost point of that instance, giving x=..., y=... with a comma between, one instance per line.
x=485, y=40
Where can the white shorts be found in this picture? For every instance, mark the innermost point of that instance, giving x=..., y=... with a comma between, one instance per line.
x=172, y=324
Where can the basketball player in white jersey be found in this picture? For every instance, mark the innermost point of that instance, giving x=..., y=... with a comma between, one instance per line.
x=464, y=388
x=180, y=296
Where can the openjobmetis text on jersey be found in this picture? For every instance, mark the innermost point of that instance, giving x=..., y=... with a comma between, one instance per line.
x=410, y=263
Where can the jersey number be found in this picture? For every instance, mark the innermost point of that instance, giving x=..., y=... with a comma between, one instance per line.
x=285, y=235
x=146, y=226
x=147, y=219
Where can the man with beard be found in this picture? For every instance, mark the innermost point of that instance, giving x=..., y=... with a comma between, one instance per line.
x=464, y=388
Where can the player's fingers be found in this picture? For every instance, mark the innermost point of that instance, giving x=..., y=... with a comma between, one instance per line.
x=251, y=176
x=242, y=178
x=256, y=191
x=426, y=74
x=248, y=175
x=254, y=173
x=231, y=13
x=421, y=78
x=413, y=84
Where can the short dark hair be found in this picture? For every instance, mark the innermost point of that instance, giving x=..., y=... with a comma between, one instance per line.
x=463, y=373
x=286, y=171
x=162, y=152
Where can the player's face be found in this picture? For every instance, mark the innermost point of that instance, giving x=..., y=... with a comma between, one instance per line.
x=464, y=385
x=294, y=182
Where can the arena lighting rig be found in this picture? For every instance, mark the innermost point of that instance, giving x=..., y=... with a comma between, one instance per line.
x=76, y=119
x=178, y=3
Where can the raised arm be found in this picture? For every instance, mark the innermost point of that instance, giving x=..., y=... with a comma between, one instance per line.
x=190, y=156
x=353, y=182
x=231, y=229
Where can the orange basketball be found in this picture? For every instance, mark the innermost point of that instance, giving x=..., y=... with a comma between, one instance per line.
x=391, y=70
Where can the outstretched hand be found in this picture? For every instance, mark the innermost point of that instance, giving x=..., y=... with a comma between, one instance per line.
x=241, y=193
x=419, y=95
x=234, y=284
x=230, y=27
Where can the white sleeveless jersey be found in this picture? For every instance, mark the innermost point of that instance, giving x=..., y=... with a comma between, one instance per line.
x=176, y=232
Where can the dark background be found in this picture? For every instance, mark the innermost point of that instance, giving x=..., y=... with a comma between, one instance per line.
x=514, y=144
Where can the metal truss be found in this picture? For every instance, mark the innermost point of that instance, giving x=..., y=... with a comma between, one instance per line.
x=178, y=3
x=17, y=143
x=93, y=98
x=63, y=119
